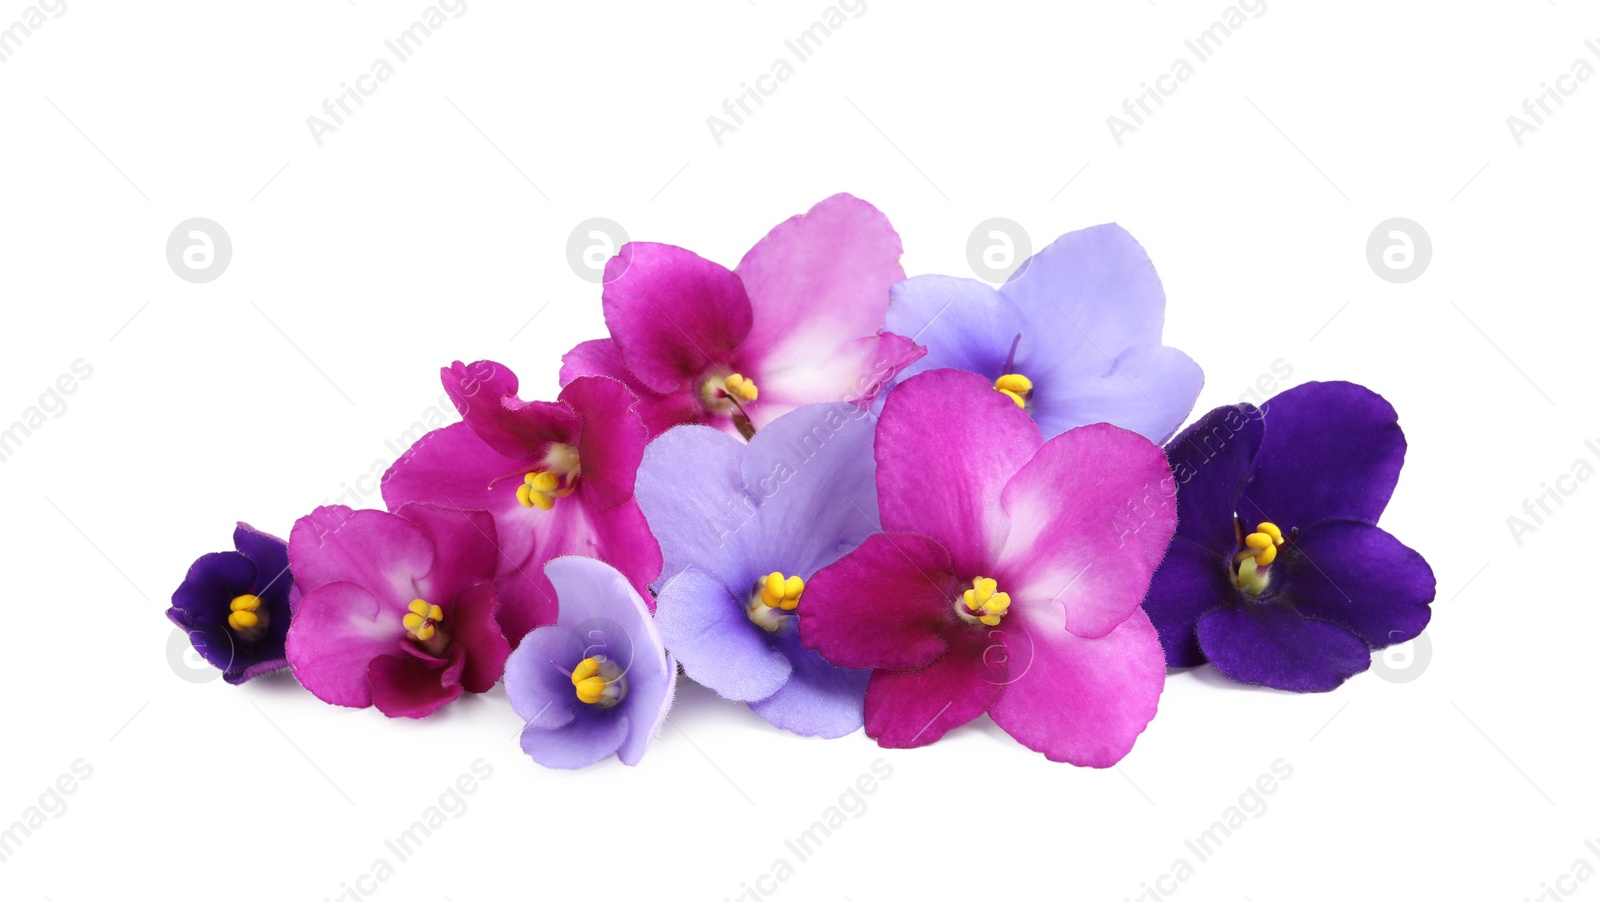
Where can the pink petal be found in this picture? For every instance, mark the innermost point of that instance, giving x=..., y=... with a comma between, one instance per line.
x=454, y=468
x=383, y=553
x=818, y=281
x=1079, y=700
x=947, y=444
x=672, y=313
x=485, y=393
x=1091, y=515
x=910, y=709
x=858, y=371
x=406, y=686
x=471, y=623
x=339, y=629
x=659, y=412
x=886, y=604
x=466, y=549
x=611, y=441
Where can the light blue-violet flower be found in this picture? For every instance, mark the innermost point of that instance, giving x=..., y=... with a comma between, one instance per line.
x=597, y=682
x=1074, y=337
x=742, y=527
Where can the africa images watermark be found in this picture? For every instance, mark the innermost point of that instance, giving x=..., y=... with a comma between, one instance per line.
x=51, y=405
x=1201, y=48
x=851, y=805
x=1537, y=109
x=1538, y=510
x=800, y=48
x=451, y=805
x=1567, y=883
x=51, y=805
x=400, y=48
x=1251, y=805
x=32, y=18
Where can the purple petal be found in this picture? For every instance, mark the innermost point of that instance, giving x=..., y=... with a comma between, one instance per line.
x=673, y=313
x=818, y=699
x=1146, y=388
x=1079, y=700
x=1190, y=582
x=947, y=444
x=906, y=710
x=1329, y=451
x=690, y=492
x=592, y=736
x=720, y=648
x=964, y=323
x=269, y=554
x=1091, y=515
x=886, y=604
x=1270, y=644
x=539, y=677
x=1212, y=461
x=1102, y=281
x=1359, y=577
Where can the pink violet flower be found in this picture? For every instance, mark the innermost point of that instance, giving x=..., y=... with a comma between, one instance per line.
x=557, y=477
x=399, y=609
x=799, y=321
x=1007, y=579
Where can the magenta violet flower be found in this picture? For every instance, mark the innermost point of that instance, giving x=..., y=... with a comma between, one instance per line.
x=399, y=608
x=742, y=528
x=1074, y=337
x=597, y=681
x=556, y=476
x=1007, y=579
x=799, y=321
x=235, y=605
x=1279, y=574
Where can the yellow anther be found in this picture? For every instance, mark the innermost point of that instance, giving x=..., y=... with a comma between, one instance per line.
x=246, y=617
x=1272, y=530
x=598, y=682
x=740, y=387
x=541, y=488
x=1263, y=544
x=778, y=591
x=1015, y=386
x=983, y=603
x=422, y=619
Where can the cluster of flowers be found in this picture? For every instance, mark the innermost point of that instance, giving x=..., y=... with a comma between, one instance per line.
x=844, y=498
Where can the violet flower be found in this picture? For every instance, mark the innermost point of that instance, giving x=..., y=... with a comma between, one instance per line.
x=742, y=528
x=799, y=321
x=556, y=476
x=399, y=609
x=1074, y=337
x=1007, y=579
x=236, y=605
x=597, y=682
x=1279, y=575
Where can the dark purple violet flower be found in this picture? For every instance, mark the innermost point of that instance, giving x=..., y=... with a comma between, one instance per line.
x=235, y=605
x=1278, y=574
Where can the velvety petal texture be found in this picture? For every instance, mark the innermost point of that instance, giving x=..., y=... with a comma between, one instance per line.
x=801, y=318
x=602, y=618
x=1069, y=531
x=1319, y=462
x=792, y=501
x=358, y=638
x=202, y=605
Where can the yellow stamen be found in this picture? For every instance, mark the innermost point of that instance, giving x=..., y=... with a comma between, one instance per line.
x=597, y=681
x=740, y=387
x=541, y=488
x=778, y=591
x=423, y=619
x=1015, y=386
x=983, y=603
x=246, y=617
x=1260, y=550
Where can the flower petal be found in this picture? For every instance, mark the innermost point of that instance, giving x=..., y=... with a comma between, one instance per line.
x=472, y=626
x=1147, y=388
x=1190, y=582
x=338, y=631
x=485, y=393
x=383, y=553
x=690, y=492
x=856, y=371
x=1091, y=515
x=1359, y=577
x=885, y=604
x=407, y=686
x=466, y=550
x=658, y=412
x=818, y=699
x=539, y=677
x=1079, y=700
x=708, y=632
x=269, y=554
x=611, y=441
x=591, y=737
x=947, y=444
x=454, y=468
x=964, y=323
x=1212, y=461
x=818, y=281
x=906, y=710
x=1102, y=281
x=1329, y=451
x=1272, y=645
x=672, y=313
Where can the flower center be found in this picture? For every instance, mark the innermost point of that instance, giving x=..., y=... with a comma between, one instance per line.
x=775, y=596
x=727, y=395
x=1260, y=550
x=982, y=604
x=422, y=619
x=599, y=682
x=246, y=618
x=559, y=478
x=1015, y=386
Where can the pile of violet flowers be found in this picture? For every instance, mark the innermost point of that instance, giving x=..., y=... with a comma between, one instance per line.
x=844, y=498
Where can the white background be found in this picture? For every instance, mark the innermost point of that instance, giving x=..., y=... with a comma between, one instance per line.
x=414, y=235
